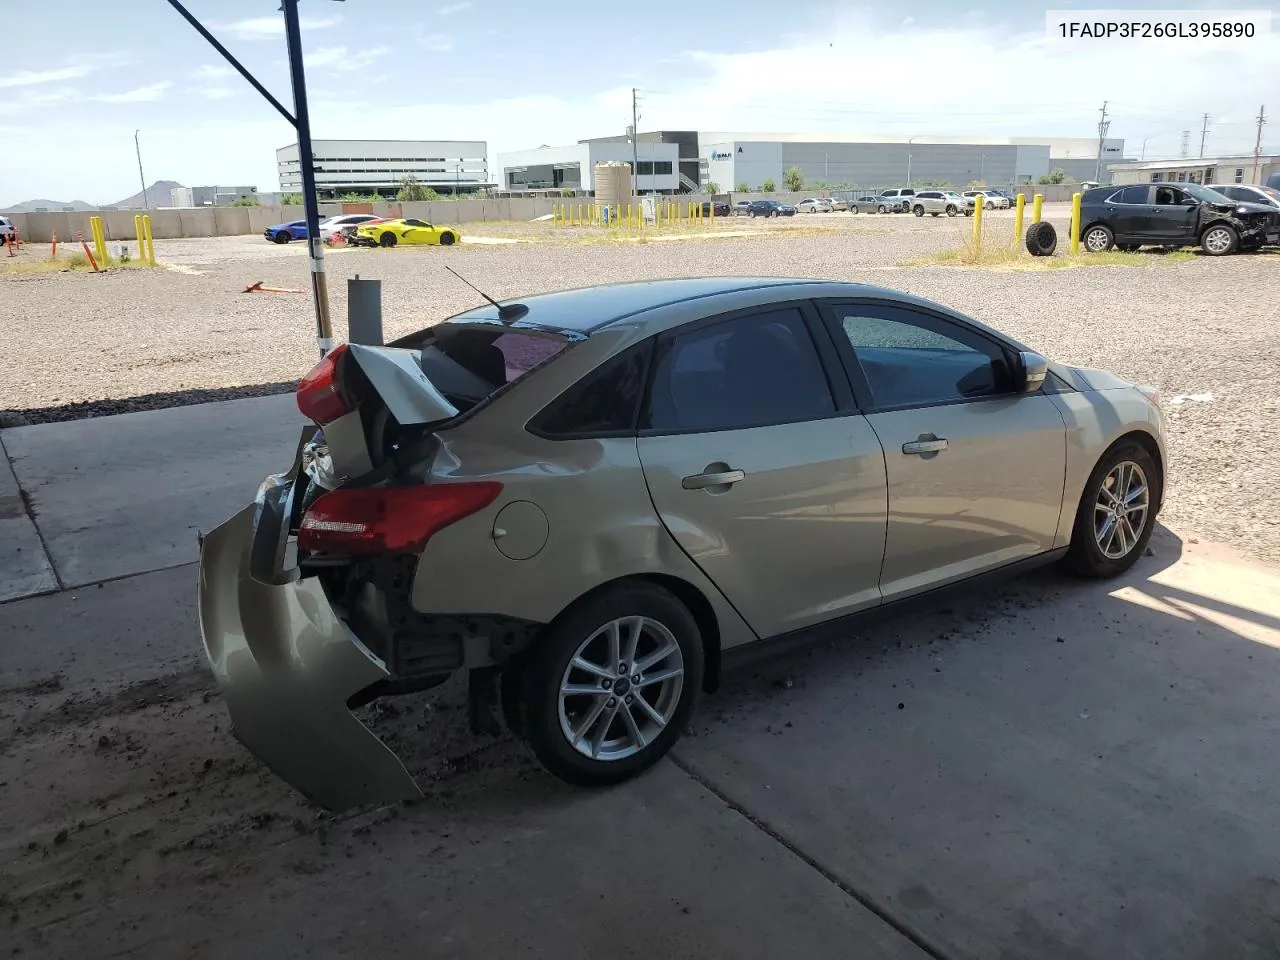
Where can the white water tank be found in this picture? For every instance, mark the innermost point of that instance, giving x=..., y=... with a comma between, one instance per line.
x=613, y=184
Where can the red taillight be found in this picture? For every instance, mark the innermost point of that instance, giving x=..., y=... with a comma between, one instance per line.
x=320, y=397
x=366, y=520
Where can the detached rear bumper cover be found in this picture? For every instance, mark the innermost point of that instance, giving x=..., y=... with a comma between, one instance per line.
x=287, y=665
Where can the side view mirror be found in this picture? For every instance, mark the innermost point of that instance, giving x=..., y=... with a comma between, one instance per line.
x=1190, y=202
x=1032, y=368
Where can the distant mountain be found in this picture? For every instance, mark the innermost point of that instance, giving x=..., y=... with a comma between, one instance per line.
x=159, y=194
x=53, y=206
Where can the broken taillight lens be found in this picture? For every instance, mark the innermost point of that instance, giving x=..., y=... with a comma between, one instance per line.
x=365, y=521
x=320, y=396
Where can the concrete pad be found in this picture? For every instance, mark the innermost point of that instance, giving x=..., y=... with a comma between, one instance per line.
x=1051, y=769
x=24, y=568
x=121, y=495
x=104, y=637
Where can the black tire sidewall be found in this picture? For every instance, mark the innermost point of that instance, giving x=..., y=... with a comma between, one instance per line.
x=545, y=664
x=1084, y=556
x=446, y=239
x=387, y=240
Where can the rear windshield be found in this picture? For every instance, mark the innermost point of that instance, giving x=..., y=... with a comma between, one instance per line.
x=469, y=365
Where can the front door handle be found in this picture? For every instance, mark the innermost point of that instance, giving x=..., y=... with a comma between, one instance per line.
x=701, y=481
x=927, y=443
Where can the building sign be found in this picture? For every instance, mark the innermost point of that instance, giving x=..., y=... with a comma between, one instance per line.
x=720, y=155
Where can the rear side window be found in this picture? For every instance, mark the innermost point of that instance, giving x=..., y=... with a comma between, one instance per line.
x=469, y=365
x=1133, y=195
x=604, y=402
x=749, y=371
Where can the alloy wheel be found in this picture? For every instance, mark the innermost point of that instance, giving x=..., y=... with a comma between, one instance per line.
x=1121, y=510
x=1096, y=240
x=1217, y=240
x=621, y=688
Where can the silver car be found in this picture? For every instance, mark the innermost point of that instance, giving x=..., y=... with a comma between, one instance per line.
x=937, y=202
x=592, y=501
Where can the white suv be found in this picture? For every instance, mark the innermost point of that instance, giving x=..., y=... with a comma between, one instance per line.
x=990, y=199
x=900, y=198
x=7, y=230
x=937, y=202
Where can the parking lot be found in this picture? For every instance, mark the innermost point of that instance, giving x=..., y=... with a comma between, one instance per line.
x=1043, y=769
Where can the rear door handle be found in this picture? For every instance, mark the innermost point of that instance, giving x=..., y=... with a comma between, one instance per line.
x=700, y=481
x=926, y=444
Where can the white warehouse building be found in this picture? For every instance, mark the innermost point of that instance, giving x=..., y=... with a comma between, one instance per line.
x=379, y=166
x=573, y=167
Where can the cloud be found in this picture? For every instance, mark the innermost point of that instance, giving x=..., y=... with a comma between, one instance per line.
x=453, y=8
x=212, y=72
x=31, y=78
x=212, y=93
x=264, y=28
x=436, y=42
x=343, y=60
x=152, y=91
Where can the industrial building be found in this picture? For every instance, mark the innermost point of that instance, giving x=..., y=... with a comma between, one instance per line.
x=216, y=196
x=380, y=166
x=728, y=160
x=1199, y=170
x=572, y=167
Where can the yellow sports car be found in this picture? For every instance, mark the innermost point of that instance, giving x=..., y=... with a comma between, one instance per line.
x=387, y=233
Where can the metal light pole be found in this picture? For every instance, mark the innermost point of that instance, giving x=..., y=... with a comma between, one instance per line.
x=302, y=124
x=909, y=140
x=141, y=179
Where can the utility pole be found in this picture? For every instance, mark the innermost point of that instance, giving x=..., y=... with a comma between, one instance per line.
x=1204, y=132
x=1103, y=126
x=635, y=144
x=143, y=180
x=1257, y=144
x=1186, y=139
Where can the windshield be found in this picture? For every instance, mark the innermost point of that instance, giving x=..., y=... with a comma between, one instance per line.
x=1204, y=194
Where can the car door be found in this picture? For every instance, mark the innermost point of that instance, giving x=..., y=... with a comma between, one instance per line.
x=1175, y=215
x=975, y=468
x=761, y=469
x=1127, y=213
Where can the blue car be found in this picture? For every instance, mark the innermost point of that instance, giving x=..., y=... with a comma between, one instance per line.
x=284, y=232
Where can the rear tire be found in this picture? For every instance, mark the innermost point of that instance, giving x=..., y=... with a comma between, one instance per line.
x=548, y=721
x=1099, y=239
x=881, y=209
x=388, y=239
x=853, y=209
x=951, y=210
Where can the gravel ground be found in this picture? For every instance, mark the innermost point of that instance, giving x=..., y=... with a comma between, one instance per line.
x=84, y=345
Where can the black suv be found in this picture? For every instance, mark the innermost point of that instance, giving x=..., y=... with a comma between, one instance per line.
x=1173, y=215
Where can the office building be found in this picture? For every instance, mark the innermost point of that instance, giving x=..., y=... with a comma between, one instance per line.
x=380, y=166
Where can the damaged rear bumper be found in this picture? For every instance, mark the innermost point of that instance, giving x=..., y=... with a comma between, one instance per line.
x=287, y=664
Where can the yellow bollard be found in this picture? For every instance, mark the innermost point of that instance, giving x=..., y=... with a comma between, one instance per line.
x=713, y=211
x=1017, y=218
x=1035, y=207
x=151, y=242
x=977, y=224
x=555, y=214
x=99, y=240
x=1075, y=224
x=137, y=232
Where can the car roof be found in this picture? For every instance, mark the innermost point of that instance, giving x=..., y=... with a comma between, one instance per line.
x=587, y=309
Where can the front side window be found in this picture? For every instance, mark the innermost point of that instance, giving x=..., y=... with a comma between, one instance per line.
x=748, y=371
x=909, y=359
x=1168, y=196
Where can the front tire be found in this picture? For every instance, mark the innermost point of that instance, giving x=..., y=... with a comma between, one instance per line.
x=282, y=237
x=611, y=685
x=1116, y=514
x=1220, y=240
x=447, y=239
x=918, y=210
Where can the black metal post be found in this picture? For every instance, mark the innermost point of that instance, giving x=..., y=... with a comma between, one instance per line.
x=302, y=122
